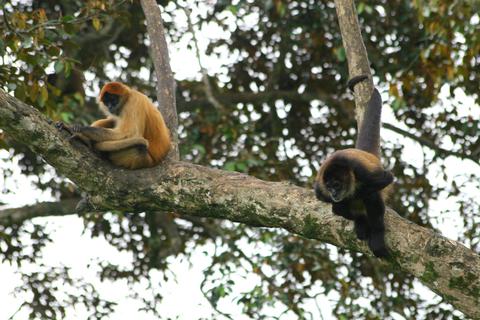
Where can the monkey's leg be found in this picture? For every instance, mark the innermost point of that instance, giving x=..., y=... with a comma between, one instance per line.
x=350, y=210
x=361, y=227
x=99, y=134
x=132, y=158
x=375, y=212
x=118, y=145
x=319, y=193
x=358, y=211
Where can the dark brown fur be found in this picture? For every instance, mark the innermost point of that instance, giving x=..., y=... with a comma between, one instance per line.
x=356, y=183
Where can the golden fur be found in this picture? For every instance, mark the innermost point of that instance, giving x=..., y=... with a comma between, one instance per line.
x=138, y=124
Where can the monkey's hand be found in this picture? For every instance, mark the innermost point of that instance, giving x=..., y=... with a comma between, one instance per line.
x=75, y=133
x=78, y=128
x=62, y=126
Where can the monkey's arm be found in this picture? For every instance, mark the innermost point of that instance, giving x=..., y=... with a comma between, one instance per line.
x=371, y=179
x=98, y=134
x=104, y=123
x=320, y=195
x=62, y=126
x=343, y=209
x=376, y=181
x=353, y=209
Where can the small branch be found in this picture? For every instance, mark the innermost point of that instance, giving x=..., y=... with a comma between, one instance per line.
x=206, y=82
x=357, y=58
x=42, y=209
x=161, y=61
x=166, y=221
x=430, y=144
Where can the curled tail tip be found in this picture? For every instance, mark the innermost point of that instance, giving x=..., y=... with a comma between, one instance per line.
x=355, y=80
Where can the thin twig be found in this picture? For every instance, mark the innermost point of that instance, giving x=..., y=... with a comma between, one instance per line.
x=208, y=87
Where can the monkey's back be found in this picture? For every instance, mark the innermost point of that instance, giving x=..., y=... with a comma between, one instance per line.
x=156, y=132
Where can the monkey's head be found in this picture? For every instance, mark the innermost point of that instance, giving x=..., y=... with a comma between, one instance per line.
x=339, y=182
x=113, y=97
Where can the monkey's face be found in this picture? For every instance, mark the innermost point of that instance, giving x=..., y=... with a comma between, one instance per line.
x=336, y=190
x=112, y=102
x=339, y=184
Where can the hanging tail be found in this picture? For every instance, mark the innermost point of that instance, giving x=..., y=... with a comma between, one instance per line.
x=369, y=134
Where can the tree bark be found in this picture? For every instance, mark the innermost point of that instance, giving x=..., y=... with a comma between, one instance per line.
x=445, y=266
x=43, y=209
x=356, y=53
x=161, y=61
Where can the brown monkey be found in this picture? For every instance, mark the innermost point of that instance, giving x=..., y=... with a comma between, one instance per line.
x=133, y=135
x=356, y=183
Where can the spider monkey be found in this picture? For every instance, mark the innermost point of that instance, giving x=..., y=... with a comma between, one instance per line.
x=133, y=135
x=355, y=182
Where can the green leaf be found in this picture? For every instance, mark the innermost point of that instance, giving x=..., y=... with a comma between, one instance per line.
x=360, y=7
x=241, y=166
x=397, y=104
x=58, y=66
x=66, y=117
x=27, y=42
x=200, y=148
x=340, y=53
x=68, y=68
x=233, y=9
x=96, y=23
x=68, y=18
x=43, y=95
x=229, y=166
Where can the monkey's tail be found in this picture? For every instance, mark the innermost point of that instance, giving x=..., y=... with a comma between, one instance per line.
x=353, y=81
x=369, y=133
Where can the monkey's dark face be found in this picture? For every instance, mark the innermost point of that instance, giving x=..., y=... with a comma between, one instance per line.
x=112, y=102
x=339, y=184
x=336, y=189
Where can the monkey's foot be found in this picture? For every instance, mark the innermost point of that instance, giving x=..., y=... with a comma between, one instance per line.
x=376, y=243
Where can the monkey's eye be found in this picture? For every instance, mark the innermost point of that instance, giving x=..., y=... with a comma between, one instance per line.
x=334, y=185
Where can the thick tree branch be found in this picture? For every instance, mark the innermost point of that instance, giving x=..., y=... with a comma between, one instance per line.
x=161, y=61
x=446, y=266
x=43, y=209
